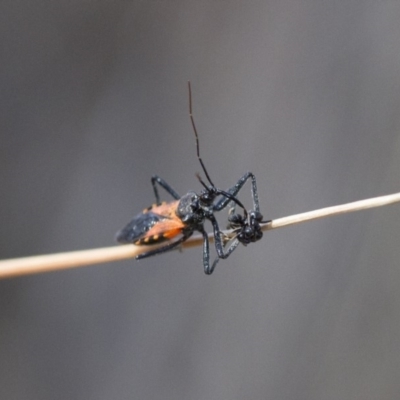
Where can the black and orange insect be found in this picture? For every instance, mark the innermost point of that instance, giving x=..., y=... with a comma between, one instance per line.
x=165, y=221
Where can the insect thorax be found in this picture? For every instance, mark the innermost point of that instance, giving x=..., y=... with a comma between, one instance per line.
x=189, y=209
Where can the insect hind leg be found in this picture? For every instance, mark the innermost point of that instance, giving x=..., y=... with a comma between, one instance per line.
x=164, y=249
x=156, y=179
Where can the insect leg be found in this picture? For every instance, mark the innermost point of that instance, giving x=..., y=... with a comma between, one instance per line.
x=206, y=252
x=234, y=190
x=231, y=248
x=156, y=179
x=218, y=240
x=163, y=249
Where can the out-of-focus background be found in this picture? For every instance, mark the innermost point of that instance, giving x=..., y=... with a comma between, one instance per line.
x=93, y=101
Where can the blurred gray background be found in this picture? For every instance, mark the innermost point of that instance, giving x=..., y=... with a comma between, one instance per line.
x=94, y=101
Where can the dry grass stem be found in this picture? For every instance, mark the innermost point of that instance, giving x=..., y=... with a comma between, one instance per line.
x=74, y=259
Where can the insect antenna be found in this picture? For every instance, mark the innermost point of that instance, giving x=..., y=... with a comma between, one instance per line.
x=201, y=181
x=219, y=191
x=197, y=140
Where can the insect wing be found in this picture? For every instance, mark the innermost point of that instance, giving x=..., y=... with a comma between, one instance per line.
x=138, y=227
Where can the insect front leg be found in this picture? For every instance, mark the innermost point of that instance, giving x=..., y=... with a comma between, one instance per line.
x=232, y=247
x=219, y=246
x=206, y=253
x=234, y=190
x=209, y=269
x=156, y=179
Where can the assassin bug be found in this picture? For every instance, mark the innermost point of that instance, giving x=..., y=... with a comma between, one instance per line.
x=164, y=221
